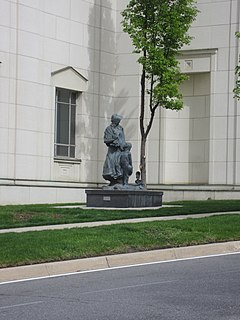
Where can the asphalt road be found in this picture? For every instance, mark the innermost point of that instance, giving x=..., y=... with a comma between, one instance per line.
x=197, y=289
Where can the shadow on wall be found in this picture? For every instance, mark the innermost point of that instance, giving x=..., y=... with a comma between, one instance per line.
x=99, y=101
x=199, y=118
x=195, y=117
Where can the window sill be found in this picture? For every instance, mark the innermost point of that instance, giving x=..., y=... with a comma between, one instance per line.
x=68, y=160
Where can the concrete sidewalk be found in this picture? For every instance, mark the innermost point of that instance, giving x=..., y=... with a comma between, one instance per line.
x=107, y=223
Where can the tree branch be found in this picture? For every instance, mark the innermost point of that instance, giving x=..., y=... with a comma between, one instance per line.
x=151, y=93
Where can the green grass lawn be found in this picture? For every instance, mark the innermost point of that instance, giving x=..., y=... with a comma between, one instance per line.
x=36, y=215
x=57, y=245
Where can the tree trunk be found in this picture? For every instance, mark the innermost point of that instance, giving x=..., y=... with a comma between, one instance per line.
x=142, y=129
x=143, y=160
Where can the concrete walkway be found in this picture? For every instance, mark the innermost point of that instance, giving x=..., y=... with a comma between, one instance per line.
x=107, y=223
x=113, y=261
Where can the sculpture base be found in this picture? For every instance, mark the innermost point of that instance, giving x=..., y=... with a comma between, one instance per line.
x=123, y=198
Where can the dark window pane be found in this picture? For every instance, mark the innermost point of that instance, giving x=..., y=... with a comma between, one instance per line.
x=62, y=123
x=62, y=151
x=73, y=98
x=72, y=152
x=73, y=124
x=63, y=95
x=66, y=123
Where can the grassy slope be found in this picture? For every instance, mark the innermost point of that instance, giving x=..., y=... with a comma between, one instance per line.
x=43, y=246
x=33, y=215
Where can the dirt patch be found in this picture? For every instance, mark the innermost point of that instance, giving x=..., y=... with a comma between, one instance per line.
x=57, y=216
x=23, y=216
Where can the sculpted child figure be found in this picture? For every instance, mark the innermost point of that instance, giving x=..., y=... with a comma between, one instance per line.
x=126, y=162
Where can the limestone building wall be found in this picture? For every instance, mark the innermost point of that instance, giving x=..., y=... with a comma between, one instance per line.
x=44, y=45
x=200, y=144
x=78, y=45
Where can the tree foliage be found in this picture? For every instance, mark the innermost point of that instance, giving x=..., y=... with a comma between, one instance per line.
x=158, y=30
x=237, y=72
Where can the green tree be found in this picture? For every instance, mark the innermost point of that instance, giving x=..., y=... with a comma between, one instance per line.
x=236, y=90
x=158, y=30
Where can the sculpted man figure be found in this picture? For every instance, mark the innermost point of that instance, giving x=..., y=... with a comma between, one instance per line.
x=115, y=140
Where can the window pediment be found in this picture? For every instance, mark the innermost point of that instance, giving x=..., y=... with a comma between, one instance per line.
x=69, y=78
x=196, y=61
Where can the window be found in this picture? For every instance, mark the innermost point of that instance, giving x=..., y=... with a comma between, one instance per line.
x=65, y=123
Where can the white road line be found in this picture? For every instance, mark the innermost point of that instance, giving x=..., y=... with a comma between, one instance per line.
x=129, y=287
x=120, y=267
x=20, y=305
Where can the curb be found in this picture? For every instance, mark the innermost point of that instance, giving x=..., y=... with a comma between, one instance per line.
x=113, y=261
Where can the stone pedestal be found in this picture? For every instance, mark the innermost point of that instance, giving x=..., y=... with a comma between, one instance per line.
x=123, y=198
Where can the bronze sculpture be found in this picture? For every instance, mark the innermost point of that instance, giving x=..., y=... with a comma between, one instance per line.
x=114, y=138
x=118, y=163
x=117, y=169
